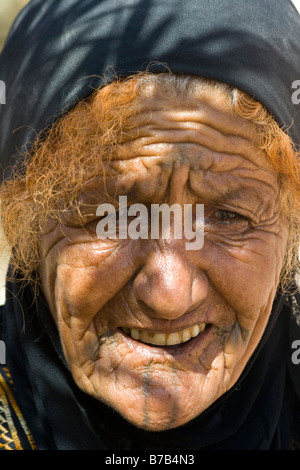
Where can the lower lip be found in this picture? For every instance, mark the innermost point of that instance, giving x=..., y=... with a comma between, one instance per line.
x=198, y=343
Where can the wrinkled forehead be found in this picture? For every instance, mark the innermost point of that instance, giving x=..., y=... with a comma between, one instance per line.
x=181, y=93
x=187, y=113
x=186, y=126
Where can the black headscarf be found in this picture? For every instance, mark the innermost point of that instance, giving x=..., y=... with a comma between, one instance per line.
x=57, y=48
x=52, y=58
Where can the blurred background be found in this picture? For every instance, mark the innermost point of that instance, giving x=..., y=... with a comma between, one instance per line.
x=8, y=12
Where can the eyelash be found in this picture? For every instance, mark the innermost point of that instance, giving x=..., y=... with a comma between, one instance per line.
x=226, y=217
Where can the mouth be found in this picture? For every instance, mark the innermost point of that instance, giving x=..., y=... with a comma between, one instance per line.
x=166, y=339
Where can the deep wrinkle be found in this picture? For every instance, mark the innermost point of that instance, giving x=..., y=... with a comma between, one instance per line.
x=146, y=389
x=175, y=409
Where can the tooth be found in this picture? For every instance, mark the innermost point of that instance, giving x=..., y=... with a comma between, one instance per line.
x=163, y=339
x=195, y=331
x=186, y=335
x=173, y=338
x=159, y=339
x=135, y=333
x=144, y=336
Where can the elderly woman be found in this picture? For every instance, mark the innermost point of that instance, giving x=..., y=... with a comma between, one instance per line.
x=137, y=341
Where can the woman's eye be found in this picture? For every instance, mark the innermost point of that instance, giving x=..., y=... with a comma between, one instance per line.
x=228, y=217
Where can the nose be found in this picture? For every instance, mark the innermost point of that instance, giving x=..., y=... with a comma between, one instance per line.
x=169, y=284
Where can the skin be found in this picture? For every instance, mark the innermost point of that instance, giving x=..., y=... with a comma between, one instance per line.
x=192, y=150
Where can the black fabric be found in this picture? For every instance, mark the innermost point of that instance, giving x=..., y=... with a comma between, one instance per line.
x=257, y=413
x=57, y=47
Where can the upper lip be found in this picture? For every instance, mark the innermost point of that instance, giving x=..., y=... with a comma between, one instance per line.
x=188, y=320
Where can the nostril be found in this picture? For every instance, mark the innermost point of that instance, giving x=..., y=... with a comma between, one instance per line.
x=135, y=275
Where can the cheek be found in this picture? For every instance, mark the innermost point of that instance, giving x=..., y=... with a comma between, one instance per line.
x=246, y=274
x=79, y=279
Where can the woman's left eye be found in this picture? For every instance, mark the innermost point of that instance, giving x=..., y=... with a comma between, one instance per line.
x=225, y=216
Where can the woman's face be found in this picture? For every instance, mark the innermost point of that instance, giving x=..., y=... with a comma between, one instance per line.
x=118, y=303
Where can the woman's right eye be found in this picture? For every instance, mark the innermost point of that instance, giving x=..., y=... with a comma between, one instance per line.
x=225, y=217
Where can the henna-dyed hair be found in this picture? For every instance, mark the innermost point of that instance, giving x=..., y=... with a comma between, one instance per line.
x=69, y=155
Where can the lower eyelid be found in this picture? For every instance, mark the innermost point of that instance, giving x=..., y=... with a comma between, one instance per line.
x=224, y=214
x=236, y=222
